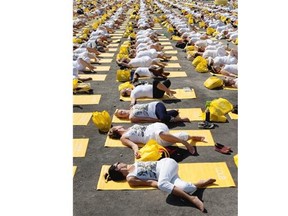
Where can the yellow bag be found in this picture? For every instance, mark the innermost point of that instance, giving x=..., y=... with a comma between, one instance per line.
x=124, y=49
x=197, y=60
x=123, y=75
x=210, y=31
x=201, y=24
x=152, y=151
x=170, y=29
x=189, y=48
x=213, y=82
x=176, y=38
x=220, y=106
x=102, y=120
x=75, y=83
x=202, y=67
x=125, y=85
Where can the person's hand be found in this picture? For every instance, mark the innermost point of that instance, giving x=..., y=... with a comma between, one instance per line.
x=191, y=149
x=137, y=155
x=198, y=138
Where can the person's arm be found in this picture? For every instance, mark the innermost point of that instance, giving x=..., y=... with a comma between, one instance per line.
x=125, y=141
x=133, y=181
x=86, y=64
x=173, y=139
x=226, y=73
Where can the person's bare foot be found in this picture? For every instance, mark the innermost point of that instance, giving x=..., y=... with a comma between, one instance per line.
x=198, y=203
x=204, y=183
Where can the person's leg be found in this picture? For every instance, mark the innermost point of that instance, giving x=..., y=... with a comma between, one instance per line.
x=164, y=87
x=162, y=113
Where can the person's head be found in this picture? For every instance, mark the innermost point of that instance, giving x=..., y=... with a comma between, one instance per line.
x=114, y=172
x=228, y=81
x=114, y=132
x=126, y=92
x=122, y=113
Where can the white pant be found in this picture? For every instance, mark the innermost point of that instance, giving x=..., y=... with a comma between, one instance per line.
x=168, y=177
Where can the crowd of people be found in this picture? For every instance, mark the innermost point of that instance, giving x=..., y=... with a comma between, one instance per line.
x=146, y=58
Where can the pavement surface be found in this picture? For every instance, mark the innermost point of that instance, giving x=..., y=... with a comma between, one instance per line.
x=87, y=201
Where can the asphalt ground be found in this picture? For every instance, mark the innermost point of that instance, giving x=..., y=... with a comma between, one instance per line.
x=87, y=201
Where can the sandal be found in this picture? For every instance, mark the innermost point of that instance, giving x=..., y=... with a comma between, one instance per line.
x=220, y=146
x=222, y=150
x=206, y=125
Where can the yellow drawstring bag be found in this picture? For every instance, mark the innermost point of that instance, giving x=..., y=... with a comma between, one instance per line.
x=75, y=83
x=102, y=120
x=202, y=67
x=170, y=29
x=201, y=24
x=189, y=48
x=125, y=85
x=124, y=49
x=197, y=60
x=221, y=2
x=176, y=38
x=213, y=82
x=210, y=31
x=218, y=108
x=152, y=151
x=123, y=75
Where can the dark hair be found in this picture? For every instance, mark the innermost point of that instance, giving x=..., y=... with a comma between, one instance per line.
x=113, y=134
x=113, y=174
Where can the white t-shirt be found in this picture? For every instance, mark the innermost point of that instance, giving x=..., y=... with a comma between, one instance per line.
x=142, y=134
x=144, y=110
x=152, y=53
x=224, y=60
x=143, y=72
x=232, y=68
x=144, y=61
x=142, y=91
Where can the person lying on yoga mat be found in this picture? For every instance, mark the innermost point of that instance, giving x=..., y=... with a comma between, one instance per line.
x=162, y=174
x=152, y=53
x=155, y=90
x=141, y=134
x=151, y=72
x=150, y=112
x=144, y=61
x=230, y=70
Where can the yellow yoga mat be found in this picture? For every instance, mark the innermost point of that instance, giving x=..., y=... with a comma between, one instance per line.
x=113, y=45
x=180, y=94
x=119, y=32
x=86, y=99
x=107, y=54
x=168, y=48
x=230, y=88
x=166, y=43
x=80, y=147
x=172, y=65
x=209, y=141
x=171, y=52
x=74, y=170
x=236, y=159
x=172, y=74
x=163, y=39
x=95, y=77
x=158, y=28
x=116, y=37
x=190, y=172
x=112, y=49
x=194, y=114
x=81, y=118
x=108, y=60
x=173, y=58
x=116, y=41
x=102, y=68
x=116, y=34
x=233, y=116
